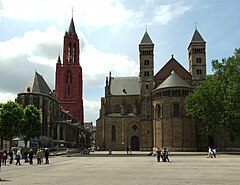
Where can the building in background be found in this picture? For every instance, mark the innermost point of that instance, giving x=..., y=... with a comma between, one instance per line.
x=147, y=111
x=61, y=110
x=69, y=85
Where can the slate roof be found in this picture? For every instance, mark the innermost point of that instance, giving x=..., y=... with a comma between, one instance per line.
x=173, y=80
x=197, y=37
x=37, y=85
x=71, y=28
x=146, y=39
x=125, y=86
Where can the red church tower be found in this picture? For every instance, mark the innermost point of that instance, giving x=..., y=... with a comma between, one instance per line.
x=69, y=83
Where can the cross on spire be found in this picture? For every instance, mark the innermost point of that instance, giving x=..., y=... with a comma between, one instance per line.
x=195, y=24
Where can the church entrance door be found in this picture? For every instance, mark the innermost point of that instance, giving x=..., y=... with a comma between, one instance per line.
x=135, y=143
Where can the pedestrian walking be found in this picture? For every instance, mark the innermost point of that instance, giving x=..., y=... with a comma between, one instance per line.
x=38, y=156
x=41, y=154
x=11, y=155
x=158, y=154
x=46, y=156
x=31, y=156
x=127, y=149
x=5, y=157
x=26, y=155
x=18, y=156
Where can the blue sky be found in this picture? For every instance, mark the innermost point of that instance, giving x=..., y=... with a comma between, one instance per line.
x=31, y=37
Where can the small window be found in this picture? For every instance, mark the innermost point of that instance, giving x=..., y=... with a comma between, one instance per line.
x=146, y=62
x=199, y=71
x=176, y=110
x=147, y=86
x=129, y=108
x=113, y=135
x=199, y=60
x=117, y=108
x=158, y=111
x=146, y=73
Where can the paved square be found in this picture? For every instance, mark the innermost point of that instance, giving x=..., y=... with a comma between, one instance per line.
x=119, y=168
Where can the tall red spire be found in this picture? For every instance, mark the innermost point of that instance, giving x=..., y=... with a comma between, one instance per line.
x=69, y=75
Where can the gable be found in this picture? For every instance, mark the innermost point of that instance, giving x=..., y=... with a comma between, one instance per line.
x=172, y=65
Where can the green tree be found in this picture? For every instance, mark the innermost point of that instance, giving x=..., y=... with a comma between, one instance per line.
x=204, y=104
x=229, y=73
x=216, y=103
x=11, y=120
x=31, y=127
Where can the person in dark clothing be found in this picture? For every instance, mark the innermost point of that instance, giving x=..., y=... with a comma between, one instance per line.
x=165, y=155
x=5, y=156
x=158, y=153
x=46, y=156
x=26, y=155
x=127, y=149
x=31, y=156
x=10, y=153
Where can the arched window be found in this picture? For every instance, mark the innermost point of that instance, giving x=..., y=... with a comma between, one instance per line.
x=36, y=102
x=61, y=133
x=113, y=138
x=129, y=108
x=158, y=111
x=117, y=108
x=176, y=110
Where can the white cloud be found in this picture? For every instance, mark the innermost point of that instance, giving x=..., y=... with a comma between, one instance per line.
x=163, y=14
x=90, y=13
x=96, y=62
x=4, y=97
x=91, y=110
x=30, y=43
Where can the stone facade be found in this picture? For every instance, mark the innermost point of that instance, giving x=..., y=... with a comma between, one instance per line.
x=62, y=110
x=148, y=111
x=59, y=128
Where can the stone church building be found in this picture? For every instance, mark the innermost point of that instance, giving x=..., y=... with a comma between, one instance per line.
x=61, y=111
x=147, y=111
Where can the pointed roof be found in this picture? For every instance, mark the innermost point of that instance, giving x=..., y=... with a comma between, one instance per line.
x=125, y=86
x=173, y=80
x=197, y=37
x=146, y=39
x=71, y=28
x=37, y=85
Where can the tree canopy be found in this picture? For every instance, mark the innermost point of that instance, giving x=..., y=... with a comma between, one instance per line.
x=216, y=103
x=31, y=126
x=11, y=116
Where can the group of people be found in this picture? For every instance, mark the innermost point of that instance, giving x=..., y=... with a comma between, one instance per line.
x=162, y=154
x=27, y=154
